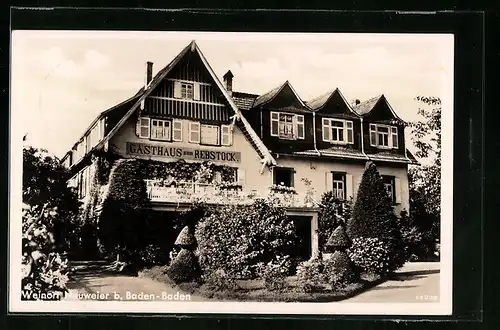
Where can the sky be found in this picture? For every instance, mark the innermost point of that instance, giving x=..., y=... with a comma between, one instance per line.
x=61, y=80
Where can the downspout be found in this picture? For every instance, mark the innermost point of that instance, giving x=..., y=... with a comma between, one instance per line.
x=314, y=134
x=363, y=139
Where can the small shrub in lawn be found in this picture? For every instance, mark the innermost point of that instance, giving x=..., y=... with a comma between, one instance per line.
x=219, y=280
x=184, y=268
x=372, y=255
x=274, y=276
x=339, y=270
x=310, y=275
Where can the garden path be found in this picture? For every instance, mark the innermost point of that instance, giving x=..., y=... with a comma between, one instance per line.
x=91, y=278
x=414, y=282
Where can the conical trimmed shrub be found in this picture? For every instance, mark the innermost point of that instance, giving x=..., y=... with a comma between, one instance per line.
x=186, y=239
x=340, y=270
x=184, y=268
x=373, y=214
x=338, y=241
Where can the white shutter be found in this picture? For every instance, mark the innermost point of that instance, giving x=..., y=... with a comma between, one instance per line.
x=397, y=189
x=349, y=186
x=142, y=127
x=194, y=132
x=226, y=135
x=176, y=130
x=300, y=127
x=177, y=89
x=241, y=176
x=274, y=123
x=196, y=91
x=394, y=134
x=326, y=130
x=329, y=181
x=373, y=135
x=350, y=132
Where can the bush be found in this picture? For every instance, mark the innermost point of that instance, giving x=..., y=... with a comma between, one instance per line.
x=310, y=275
x=184, y=268
x=373, y=255
x=219, y=280
x=240, y=239
x=338, y=240
x=339, y=270
x=151, y=255
x=274, y=274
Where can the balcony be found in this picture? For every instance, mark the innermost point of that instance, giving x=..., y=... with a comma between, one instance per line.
x=190, y=192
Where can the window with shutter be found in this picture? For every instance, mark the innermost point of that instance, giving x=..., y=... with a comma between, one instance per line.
x=161, y=129
x=194, y=132
x=177, y=89
x=176, y=130
x=350, y=132
x=389, y=183
x=143, y=127
x=210, y=134
x=339, y=190
x=274, y=124
x=241, y=176
x=226, y=135
x=326, y=130
x=300, y=127
x=196, y=91
x=373, y=135
x=394, y=133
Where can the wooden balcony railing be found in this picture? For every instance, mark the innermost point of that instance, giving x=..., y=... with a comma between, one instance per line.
x=189, y=192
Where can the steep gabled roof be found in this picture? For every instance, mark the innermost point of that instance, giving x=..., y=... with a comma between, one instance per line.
x=366, y=107
x=271, y=95
x=321, y=101
x=193, y=47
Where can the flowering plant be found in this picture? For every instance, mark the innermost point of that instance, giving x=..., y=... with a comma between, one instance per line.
x=230, y=185
x=282, y=189
x=372, y=255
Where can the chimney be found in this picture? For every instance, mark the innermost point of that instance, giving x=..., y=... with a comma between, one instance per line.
x=149, y=73
x=228, y=82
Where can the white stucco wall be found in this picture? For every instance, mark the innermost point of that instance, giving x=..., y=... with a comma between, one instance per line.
x=316, y=169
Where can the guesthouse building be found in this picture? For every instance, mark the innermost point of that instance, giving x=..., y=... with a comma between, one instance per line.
x=272, y=143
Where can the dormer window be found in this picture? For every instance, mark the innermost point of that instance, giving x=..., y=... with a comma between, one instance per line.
x=287, y=126
x=338, y=131
x=384, y=136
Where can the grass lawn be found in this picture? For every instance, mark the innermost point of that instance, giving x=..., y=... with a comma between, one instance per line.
x=254, y=290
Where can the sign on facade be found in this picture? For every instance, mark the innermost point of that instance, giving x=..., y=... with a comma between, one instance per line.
x=144, y=149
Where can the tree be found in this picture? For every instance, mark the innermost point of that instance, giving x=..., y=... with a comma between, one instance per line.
x=49, y=221
x=372, y=215
x=425, y=180
x=45, y=184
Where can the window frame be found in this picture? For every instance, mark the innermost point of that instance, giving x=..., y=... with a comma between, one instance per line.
x=165, y=130
x=336, y=181
x=218, y=135
x=347, y=132
x=392, y=136
x=178, y=129
x=296, y=122
x=292, y=175
x=184, y=90
x=390, y=180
